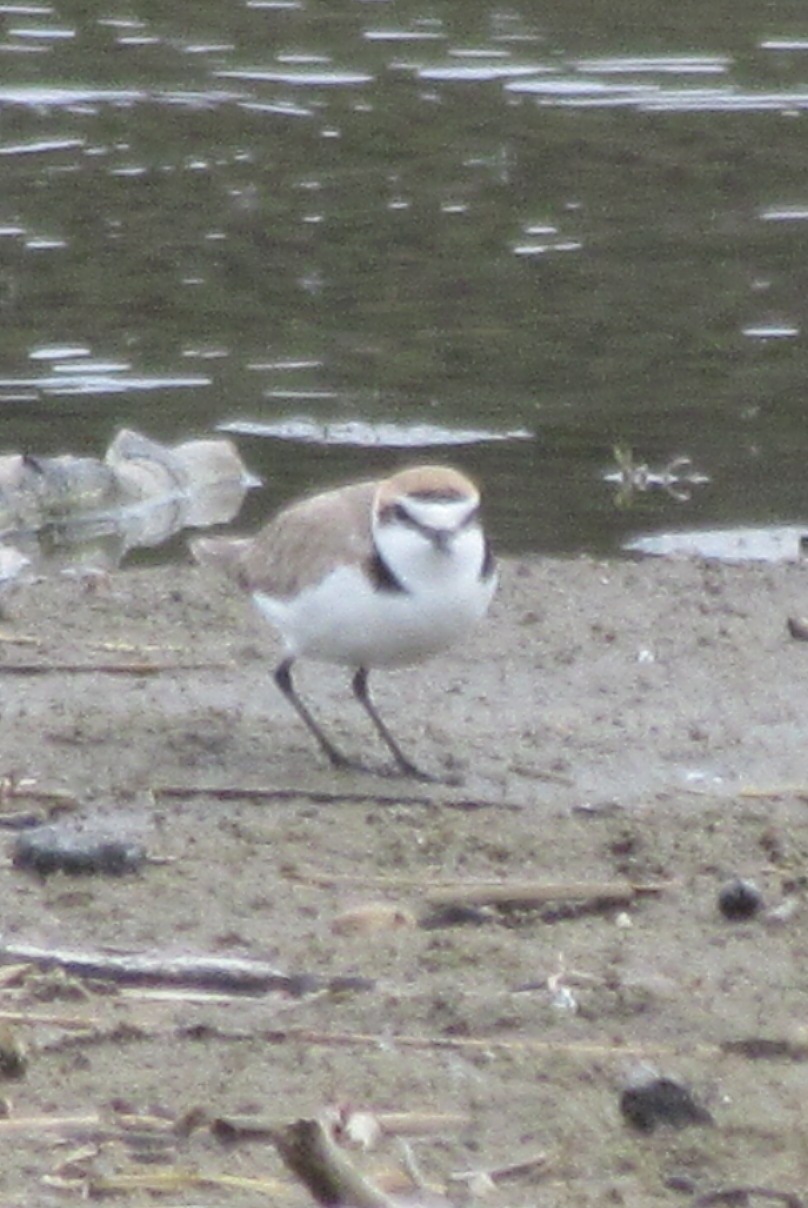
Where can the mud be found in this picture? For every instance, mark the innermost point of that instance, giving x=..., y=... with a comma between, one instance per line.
x=611, y=721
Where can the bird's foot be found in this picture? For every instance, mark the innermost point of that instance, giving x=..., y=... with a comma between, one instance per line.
x=411, y=771
x=403, y=769
x=344, y=763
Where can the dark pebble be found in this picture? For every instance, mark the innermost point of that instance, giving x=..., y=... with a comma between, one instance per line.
x=739, y=899
x=350, y=983
x=680, y=1182
x=13, y=1057
x=798, y=626
x=455, y=916
x=48, y=849
x=661, y=1100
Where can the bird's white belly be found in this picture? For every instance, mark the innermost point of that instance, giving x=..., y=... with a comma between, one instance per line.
x=345, y=619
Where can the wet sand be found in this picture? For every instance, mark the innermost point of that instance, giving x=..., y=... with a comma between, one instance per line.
x=611, y=721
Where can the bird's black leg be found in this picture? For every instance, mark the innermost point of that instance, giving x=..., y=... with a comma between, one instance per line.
x=283, y=678
x=360, y=690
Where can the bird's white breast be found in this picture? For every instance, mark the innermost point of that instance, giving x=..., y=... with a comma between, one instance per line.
x=347, y=619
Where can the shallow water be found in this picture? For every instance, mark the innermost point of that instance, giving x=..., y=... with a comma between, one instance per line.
x=357, y=237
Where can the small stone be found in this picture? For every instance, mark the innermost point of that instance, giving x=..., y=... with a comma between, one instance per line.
x=456, y=915
x=798, y=626
x=650, y=1099
x=372, y=917
x=13, y=1053
x=739, y=899
x=49, y=849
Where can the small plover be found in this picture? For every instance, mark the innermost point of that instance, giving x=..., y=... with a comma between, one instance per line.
x=374, y=574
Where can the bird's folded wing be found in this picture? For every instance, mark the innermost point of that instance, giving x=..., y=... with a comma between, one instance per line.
x=300, y=545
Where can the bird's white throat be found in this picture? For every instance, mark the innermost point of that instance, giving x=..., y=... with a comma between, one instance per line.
x=431, y=545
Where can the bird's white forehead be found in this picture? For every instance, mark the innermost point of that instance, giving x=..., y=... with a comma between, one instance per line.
x=435, y=513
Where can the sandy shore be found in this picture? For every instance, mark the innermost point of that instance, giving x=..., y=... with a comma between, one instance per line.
x=612, y=721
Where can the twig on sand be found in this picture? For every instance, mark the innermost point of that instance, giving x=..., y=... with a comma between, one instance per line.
x=67, y=1023
x=492, y=893
x=390, y=1124
x=420, y=1123
x=767, y=1048
x=534, y=893
x=18, y=639
x=105, y=668
x=65, y=1126
x=14, y=787
x=128, y=1127
x=182, y=792
x=498, y=1174
x=767, y=792
x=38, y=804
x=473, y=1044
x=739, y=1197
x=163, y=1181
x=329, y=1176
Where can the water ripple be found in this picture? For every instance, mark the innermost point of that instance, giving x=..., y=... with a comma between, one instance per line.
x=580, y=92
x=40, y=146
x=45, y=96
x=101, y=383
x=311, y=79
x=477, y=72
x=661, y=65
x=357, y=432
x=785, y=214
x=58, y=352
x=771, y=331
x=43, y=33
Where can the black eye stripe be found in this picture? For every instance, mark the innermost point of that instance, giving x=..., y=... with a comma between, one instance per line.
x=400, y=513
x=437, y=496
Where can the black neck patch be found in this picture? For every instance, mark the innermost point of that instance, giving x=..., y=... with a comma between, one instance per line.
x=489, y=562
x=381, y=575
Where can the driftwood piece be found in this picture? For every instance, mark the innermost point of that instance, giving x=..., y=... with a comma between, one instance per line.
x=216, y=973
x=223, y=974
x=324, y=1170
x=420, y=1123
x=392, y=1124
x=491, y=893
x=535, y=893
